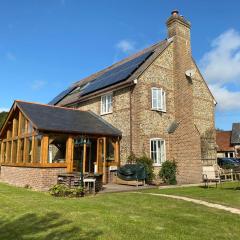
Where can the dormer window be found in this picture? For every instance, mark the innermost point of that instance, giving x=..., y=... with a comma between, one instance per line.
x=158, y=99
x=106, y=104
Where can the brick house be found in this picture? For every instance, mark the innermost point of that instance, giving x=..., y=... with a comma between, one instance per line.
x=158, y=100
x=228, y=142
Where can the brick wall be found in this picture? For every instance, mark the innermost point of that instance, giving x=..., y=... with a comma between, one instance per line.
x=119, y=118
x=37, y=178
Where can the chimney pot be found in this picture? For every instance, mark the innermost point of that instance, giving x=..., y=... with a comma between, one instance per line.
x=175, y=12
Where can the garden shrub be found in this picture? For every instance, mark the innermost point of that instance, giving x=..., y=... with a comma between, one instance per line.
x=61, y=190
x=168, y=172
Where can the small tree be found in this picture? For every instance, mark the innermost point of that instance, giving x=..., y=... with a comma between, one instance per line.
x=168, y=172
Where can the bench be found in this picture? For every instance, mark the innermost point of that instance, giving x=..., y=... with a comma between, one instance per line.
x=211, y=174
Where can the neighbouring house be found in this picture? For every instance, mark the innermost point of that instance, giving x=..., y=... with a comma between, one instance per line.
x=155, y=102
x=228, y=142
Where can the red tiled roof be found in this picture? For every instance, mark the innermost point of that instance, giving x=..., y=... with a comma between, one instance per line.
x=223, y=139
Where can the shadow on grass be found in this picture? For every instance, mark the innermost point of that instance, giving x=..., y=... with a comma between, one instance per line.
x=49, y=227
x=221, y=187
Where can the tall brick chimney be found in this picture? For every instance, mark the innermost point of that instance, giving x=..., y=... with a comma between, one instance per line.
x=186, y=143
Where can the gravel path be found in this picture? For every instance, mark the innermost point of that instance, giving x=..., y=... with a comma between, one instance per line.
x=201, y=202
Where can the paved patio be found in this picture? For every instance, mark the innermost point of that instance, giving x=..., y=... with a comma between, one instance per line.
x=109, y=188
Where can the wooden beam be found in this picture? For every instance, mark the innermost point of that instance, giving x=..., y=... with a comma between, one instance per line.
x=104, y=160
x=8, y=152
x=33, y=149
x=84, y=156
x=44, y=149
x=117, y=152
x=19, y=142
x=11, y=154
x=69, y=154
x=14, y=127
x=25, y=150
x=2, y=152
x=19, y=133
x=98, y=147
x=20, y=119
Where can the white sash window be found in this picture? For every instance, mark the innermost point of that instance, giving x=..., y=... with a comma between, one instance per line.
x=158, y=152
x=158, y=99
x=106, y=104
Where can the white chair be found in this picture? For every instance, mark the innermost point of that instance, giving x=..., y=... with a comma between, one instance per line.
x=88, y=182
x=211, y=174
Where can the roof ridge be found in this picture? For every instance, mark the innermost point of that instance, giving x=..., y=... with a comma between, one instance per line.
x=47, y=105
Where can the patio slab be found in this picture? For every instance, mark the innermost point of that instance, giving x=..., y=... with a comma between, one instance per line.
x=109, y=188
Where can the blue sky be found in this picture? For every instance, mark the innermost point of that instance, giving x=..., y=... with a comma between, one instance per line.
x=47, y=45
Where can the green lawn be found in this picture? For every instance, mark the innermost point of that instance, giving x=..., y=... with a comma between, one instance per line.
x=228, y=194
x=25, y=214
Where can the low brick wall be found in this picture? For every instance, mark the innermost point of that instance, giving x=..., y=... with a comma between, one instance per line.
x=37, y=178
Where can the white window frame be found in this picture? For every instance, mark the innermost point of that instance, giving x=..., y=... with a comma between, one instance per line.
x=161, y=156
x=160, y=98
x=106, y=104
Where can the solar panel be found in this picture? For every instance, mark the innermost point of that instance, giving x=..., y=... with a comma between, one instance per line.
x=116, y=75
x=60, y=96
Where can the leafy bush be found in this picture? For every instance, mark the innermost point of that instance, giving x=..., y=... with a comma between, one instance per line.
x=61, y=190
x=168, y=172
x=146, y=162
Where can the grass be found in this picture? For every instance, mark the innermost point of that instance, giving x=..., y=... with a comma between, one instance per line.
x=228, y=194
x=25, y=214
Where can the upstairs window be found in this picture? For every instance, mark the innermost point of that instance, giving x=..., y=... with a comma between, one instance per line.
x=158, y=99
x=157, y=148
x=106, y=104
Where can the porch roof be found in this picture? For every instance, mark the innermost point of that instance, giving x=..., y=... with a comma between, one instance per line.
x=66, y=120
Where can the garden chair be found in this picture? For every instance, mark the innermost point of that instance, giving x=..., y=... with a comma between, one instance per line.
x=211, y=174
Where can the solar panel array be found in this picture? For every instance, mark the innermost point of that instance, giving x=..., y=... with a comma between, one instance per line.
x=111, y=77
x=115, y=75
x=60, y=96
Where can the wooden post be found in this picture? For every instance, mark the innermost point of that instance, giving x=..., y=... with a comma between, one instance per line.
x=14, y=128
x=8, y=152
x=11, y=154
x=19, y=133
x=69, y=154
x=2, y=152
x=104, y=160
x=98, y=147
x=33, y=149
x=84, y=156
x=117, y=153
x=20, y=119
x=44, y=149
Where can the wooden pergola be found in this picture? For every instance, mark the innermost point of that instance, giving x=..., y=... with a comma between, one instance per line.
x=25, y=143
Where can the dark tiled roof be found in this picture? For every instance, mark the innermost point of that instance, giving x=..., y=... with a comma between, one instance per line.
x=75, y=96
x=235, y=139
x=66, y=120
x=223, y=139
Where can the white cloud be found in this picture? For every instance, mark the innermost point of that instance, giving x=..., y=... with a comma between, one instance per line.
x=221, y=68
x=222, y=63
x=38, y=84
x=2, y=109
x=126, y=46
x=226, y=99
x=10, y=56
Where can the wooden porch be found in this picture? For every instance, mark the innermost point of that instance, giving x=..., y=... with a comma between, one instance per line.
x=58, y=138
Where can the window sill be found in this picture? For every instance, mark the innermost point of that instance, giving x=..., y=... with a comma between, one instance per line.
x=157, y=164
x=158, y=110
x=103, y=114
